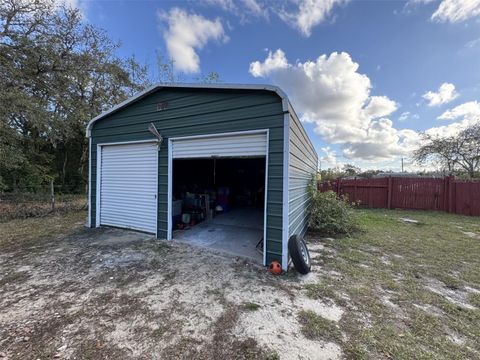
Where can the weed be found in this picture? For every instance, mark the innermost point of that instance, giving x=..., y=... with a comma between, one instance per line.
x=474, y=299
x=23, y=233
x=386, y=272
x=321, y=292
x=315, y=327
x=251, y=306
x=273, y=355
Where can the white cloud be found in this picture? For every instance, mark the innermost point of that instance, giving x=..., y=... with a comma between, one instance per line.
x=186, y=34
x=383, y=142
x=302, y=15
x=329, y=160
x=254, y=7
x=227, y=5
x=446, y=93
x=69, y=3
x=380, y=106
x=468, y=110
x=335, y=97
x=464, y=115
x=243, y=9
x=308, y=14
x=329, y=88
x=472, y=43
x=81, y=5
x=330, y=93
x=456, y=10
x=273, y=62
x=406, y=115
x=420, y=1
x=452, y=11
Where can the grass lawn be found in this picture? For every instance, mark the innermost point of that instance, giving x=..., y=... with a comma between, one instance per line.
x=409, y=290
x=21, y=233
x=395, y=290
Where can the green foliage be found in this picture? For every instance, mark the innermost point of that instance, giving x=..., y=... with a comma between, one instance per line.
x=331, y=174
x=315, y=327
x=56, y=73
x=348, y=170
x=331, y=215
x=321, y=292
x=351, y=170
x=252, y=306
x=457, y=154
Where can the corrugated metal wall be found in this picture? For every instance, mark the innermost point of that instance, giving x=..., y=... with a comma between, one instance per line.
x=220, y=146
x=129, y=182
x=187, y=112
x=303, y=162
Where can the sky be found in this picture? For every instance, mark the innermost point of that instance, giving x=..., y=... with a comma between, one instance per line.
x=366, y=78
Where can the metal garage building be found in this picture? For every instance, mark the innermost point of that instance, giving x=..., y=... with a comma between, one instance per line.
x=242, y=144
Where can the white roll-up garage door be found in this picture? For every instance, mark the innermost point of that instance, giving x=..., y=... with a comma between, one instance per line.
x=128, y=186
x=240, y=145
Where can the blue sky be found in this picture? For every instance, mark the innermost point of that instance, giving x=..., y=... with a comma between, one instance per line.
x=365, y=76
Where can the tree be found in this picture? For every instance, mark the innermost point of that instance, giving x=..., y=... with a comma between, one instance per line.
x=351, y=170
x=56, y=73
x=347, y=170
x=368, y=174
x=209, y=78
x=460, y=152
x=166, y=73
x=468, y=149
x=331, y=174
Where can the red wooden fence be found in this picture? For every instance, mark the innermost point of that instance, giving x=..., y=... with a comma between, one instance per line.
x=442, y=194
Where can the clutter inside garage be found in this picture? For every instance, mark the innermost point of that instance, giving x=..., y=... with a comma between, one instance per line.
x=219, y=203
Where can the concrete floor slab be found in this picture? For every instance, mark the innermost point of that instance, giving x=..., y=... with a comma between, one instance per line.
x=236, y=232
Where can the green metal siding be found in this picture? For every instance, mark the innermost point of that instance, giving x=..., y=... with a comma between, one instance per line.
x=302, y=166
x=190, y=112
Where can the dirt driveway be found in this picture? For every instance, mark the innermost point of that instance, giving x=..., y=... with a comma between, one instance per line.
x=109, y=293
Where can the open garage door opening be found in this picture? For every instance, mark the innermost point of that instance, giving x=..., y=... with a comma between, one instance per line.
x=219, y=203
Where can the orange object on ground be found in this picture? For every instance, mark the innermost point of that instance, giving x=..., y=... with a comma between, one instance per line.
x=275, y=268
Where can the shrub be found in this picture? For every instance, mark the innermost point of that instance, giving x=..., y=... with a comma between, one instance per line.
x=330, y=214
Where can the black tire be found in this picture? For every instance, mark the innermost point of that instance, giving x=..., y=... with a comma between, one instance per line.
x=299, y=253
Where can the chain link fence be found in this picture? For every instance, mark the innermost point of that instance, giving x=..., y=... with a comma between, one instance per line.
x=24, y=202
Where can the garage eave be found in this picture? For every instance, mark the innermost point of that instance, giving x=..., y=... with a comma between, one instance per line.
x=153, y=88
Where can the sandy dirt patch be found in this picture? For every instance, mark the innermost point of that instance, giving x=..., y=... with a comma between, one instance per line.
x=108, y=293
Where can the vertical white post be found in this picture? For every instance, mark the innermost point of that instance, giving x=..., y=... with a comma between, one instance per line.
x=169, y=196
x=52, y=195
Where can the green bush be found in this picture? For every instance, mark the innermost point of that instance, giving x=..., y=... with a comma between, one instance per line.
x=331, y=215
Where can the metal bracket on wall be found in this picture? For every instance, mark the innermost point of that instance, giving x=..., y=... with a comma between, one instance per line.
x=155, y=132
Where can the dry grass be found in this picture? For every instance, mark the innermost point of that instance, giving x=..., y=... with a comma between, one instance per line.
x=411, y=289
x=38, y=207
x=20, y=233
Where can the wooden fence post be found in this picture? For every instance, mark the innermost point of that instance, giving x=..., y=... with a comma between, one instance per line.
x=450, y=193
x=52, y=195
x=444, y=194
x=355, y=190
x=389, y=193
